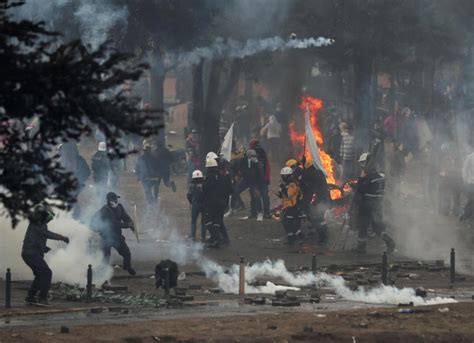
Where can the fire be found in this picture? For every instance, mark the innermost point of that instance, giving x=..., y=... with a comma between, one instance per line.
x=298, y=138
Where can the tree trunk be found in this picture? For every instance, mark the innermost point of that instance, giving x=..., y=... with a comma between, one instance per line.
x=157, y=79
x=364, y=101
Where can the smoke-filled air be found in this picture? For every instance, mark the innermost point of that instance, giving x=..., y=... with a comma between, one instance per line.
x=238, y=170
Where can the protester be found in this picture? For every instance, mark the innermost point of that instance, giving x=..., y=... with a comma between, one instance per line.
x=100, y=170
x=450, y=179
x=147, y=174
x=347, y=153
x=109, y=222
x=272, y=132
x=369, y=203
x=34, y=248
x=291, y=196
x=72, y=161
x=195, y=198
x=263, y=186
x=251, y=178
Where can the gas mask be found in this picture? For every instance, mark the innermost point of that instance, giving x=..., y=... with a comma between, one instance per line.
x=114, y=203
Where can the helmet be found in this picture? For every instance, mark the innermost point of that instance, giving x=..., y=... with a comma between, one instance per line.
x=211, y=162
x=111, y=196
x=363, y=157
x=102, y=146
x=197, y=174
x=212, y=155
x=42, y=213
x=251, y=153
x=286, y=171
x=291, y=163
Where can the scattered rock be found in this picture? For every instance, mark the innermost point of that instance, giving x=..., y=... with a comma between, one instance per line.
x=185, y=297
x=194, y=287
x=285, y=303
x=64, y=329
x=115, y=309
x=272, y=327
x=280, y=294
x=215, y=290
x=410, y=304
x=178, y=291
x=96, y=310
x=360, y=326
x=114, y=288
x=443, y=309
x=321, y=315
x=307, y=329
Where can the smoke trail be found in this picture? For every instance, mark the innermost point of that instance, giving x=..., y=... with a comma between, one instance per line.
x=234, y=49
x=229, y=282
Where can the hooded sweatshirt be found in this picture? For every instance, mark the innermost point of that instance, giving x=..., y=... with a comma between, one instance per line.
x=272, y=128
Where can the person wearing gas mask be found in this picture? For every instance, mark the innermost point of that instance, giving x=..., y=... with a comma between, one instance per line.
x=109, y=222
x=34, y=248
x=291, y=197
x=368, y=200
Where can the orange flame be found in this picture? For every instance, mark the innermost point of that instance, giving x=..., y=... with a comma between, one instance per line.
x=298, y=138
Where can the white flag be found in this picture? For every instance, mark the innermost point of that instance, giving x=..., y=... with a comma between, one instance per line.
x=226, y=149
x=311, y=143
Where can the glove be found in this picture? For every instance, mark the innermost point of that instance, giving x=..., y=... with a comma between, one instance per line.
x=47, y=250
x=65, y=240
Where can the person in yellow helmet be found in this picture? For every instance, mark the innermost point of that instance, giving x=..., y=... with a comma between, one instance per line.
x=292, y=163
x=291, y=196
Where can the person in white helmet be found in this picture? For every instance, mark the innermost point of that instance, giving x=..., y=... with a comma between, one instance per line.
x=216, y=192
x=195, y=198
x=368, y=199
x=291, y=196
x=100, y=170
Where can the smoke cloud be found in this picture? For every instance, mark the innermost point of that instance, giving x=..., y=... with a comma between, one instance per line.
x=234, y=49
x=68, y=262
x=94, y=19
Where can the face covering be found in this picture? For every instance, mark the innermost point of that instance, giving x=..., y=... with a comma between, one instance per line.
x=113, y=204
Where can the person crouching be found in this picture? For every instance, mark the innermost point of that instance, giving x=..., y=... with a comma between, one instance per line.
x=109, y=222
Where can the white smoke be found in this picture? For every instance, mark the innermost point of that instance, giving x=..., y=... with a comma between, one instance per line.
x=229, y=282
x=95, y=19
x=68, y=262
x=231, y=48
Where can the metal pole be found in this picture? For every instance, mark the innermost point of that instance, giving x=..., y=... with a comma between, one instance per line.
x=242, y=277
x=384, y=268
x=313, y=264
x=8, y=289
x=167, y=282
x=453, y=266
x=89, y=283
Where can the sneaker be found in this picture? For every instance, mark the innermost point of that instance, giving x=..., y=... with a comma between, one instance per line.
x=252, y=216
x=260, y=217
x=43, y=303
x=131, y=271
x=30, y=300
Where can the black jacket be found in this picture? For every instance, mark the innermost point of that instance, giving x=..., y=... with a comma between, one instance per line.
x=109, y=222
x=312, y=182
x=252, y=172
x=100, y=166
x=370, y=190
x=36, y=237
x=216, y=189
x=196, y=194
x=145, y=168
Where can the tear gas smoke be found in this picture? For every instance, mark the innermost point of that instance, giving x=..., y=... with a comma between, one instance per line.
x=231, y=48
x=95, y=18
x=68, y=262
x=229, y=282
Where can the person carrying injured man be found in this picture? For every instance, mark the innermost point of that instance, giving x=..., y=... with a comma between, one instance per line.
x=34, y=248
x=369, y=203
x=291, y=196
x=109, y=222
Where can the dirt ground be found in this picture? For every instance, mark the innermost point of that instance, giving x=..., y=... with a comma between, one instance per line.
x=426, y=324
x=256, y=241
